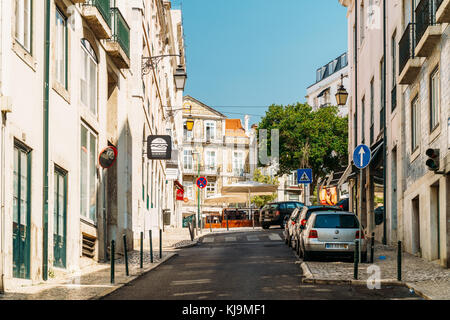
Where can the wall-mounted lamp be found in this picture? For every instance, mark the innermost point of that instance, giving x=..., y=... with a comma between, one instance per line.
x=342, y=94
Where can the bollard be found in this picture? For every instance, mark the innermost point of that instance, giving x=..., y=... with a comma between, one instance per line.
x=125, y=254
x=399, y=261
x=112, y=260
x=227, y=223
x=356, y=260
x=151, y=246
x=372, y=247
x=160, y=243
x=142, y=250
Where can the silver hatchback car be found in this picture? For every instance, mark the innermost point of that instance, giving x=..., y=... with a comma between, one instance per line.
x=332, y=233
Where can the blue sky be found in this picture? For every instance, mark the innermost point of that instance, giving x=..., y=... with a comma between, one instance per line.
x=252, y=53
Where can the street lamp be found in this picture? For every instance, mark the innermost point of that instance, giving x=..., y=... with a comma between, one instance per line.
x=342, y=94
x=180, y=77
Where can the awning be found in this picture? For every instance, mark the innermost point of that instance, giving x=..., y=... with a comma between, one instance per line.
x=178, y=185
x=323, y=92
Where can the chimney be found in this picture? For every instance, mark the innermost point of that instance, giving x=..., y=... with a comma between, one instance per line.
x=246, y=120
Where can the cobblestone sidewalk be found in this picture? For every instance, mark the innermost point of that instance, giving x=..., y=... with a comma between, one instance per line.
x=426, y=278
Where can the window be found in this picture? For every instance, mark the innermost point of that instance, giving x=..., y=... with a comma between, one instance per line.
x=24, y=9
x=415, y=125
x=210, y=130
x=88, y=161
x=336, y=221
x=434, y=99
x=382, y=94
x=21, y=213
x=210, y=160
x=188, y=135
x=355, y=127
x=188, y=160
x=363, y=119
x=238, y=163
x=394, y=59
x=88, y=80
x=362, y=23
x=372, y=107
x=189, y=189
x=61, y=48
x=211, y=189
x=59, y=218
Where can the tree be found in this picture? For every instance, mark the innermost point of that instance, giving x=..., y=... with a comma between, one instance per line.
x=260, y=201
x=308, y=139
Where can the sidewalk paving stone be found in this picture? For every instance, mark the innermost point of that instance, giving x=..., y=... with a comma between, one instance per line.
x=426, y=278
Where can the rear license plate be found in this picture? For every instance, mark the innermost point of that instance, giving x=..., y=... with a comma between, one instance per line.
x=336, y=246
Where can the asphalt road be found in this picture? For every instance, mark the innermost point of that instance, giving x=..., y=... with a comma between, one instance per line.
x=253, y=265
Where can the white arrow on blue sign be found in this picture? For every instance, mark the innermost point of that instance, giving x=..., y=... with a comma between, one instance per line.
x=304, y=176
x=362, y=156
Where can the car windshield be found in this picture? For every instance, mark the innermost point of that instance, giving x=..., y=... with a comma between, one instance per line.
x=333, y=221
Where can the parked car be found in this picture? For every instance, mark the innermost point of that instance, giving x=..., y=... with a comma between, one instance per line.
x=332, y=233
x=343, y=204
x=290, y=225
x=274, y=213
x=303, y=218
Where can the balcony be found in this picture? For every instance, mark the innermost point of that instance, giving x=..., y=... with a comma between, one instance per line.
x=443, y=11
x=409, y=64
x=98, y=17
x=118, y=47
x=428, y=32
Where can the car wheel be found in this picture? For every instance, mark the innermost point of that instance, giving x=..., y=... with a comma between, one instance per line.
x=297, y=247
x=265, y=226
x=286, y=240
x=289, y=242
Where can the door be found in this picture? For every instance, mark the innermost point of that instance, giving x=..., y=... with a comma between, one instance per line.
x=21, y=213
x=60, y=219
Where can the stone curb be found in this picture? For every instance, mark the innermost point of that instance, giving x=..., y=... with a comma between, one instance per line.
x=309, y=278
x=132, y=278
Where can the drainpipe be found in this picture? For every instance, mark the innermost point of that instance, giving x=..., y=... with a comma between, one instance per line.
x=384, y=124
x=46, y=138
x=2, y=172
x=355, y=54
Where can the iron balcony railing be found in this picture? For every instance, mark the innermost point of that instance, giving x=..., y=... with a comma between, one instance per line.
x=406, y=46
x=103, y=6
x=120, y=30
x=394, y=98
x=425, y=17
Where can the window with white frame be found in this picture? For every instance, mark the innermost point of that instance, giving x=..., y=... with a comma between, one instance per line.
x=189, y=190
x=24, y=9
x=238, y=163
x=210, y=160
x=88, y=177
x=434, y=99
x=188, y=160
x=211, y=189
x=88, y=79
x=210, y=130
x=61, y=48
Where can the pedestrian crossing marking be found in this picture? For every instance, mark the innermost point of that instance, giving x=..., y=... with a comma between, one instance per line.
x=252, y=238
x=189, y=282
x=208, y=239
x=229, y=239
x=304, y=177
x=274, y=237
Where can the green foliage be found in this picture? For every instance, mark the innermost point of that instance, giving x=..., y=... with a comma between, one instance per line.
x=308, y=139
x=260, y=201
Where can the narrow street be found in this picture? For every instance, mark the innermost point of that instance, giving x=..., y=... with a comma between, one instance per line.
x=241, y=266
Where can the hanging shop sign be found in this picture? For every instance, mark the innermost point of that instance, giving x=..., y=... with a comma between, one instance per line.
x=180, y=195
x=107, y=157
x=159, y=147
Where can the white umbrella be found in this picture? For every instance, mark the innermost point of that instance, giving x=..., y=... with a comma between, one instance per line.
x=250, y=188
x=228, y=198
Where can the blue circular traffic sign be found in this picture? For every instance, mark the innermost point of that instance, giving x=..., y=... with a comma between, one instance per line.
x=362, y=156
x=202, y=182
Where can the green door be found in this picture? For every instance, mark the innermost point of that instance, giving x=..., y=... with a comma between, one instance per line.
x=59, y=219
x=21, y=213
